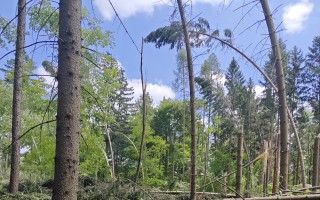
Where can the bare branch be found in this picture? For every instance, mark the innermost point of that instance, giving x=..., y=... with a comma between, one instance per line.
x=27, y=47
x=6, y=26
x=30, y=129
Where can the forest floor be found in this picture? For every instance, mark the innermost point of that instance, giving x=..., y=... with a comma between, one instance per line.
x=90, y=189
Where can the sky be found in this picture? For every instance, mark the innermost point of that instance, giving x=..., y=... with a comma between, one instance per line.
x=297, y=22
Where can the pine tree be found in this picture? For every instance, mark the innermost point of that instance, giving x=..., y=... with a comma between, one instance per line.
x=235, y=85
x=122, y=109
x=294, y=80
x=312, y=78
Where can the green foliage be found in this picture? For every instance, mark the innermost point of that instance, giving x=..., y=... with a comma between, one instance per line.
x=235, y=85
x=312, y=78
x=22, y=196
x=173, y=35
x=7, y=31
x=44, y=17
x=155, y=148
x=93, y=34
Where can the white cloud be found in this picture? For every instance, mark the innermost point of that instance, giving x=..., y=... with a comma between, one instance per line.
x=295, y=15
x=213, y=2
x=156, y=91
x=219, y=78
x=128, y=8
x=48, y=79
x=259, y=90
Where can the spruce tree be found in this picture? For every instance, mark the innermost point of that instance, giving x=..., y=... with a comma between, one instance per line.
x=235, y=85
x=121, y=109
x=312, y=78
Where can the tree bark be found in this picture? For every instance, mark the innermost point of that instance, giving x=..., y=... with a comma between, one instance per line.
x=69, y=98
x=112, y=154
x=239, y=164
x=316, y=154
x=281, y=94
x=265, y=168
x=17, y=98
x=276, y=166
x=192, y=102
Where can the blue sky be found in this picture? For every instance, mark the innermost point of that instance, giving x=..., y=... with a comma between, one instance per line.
x=298, y=20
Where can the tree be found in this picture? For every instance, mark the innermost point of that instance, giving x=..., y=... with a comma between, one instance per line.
x=69, y=91
x=180, y=84
x=192, y=102
x=235, y=85
x=294, y=79
x=121, y=110
x=209, y=72
x=294, y=88
x=237, y=94
x=168, y=124
x=17, y=98
x=281, y=94
x=312, y=79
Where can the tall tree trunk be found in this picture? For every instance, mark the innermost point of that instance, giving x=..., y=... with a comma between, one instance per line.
x=112, y=154
x=300, y=153
x=239, y=164
x=144, y=115
x=281, y=94
x=17, y=98
x=316, y=154
x=69, y=98
x=225, y=183
x=207, y=149
x=265, y=168
x=276, y=166
x=192, y=102
x=183, y=128
x=296, y=174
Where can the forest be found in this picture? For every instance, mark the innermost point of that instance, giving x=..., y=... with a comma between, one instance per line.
x=75, y=131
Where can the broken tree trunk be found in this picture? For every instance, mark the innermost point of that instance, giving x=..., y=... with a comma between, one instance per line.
x=192, y=102
x=239, y=163
x=144, y=113
x=264, y=170
x=316, y=153
x=276, y=166
x=281, y=94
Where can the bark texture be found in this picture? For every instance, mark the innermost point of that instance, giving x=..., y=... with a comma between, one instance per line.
x=281, y=94
x=192, y=102
x=68, y=114
x=17, y=98
x=276, y=166
x=316, y=154
x=239, y=164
